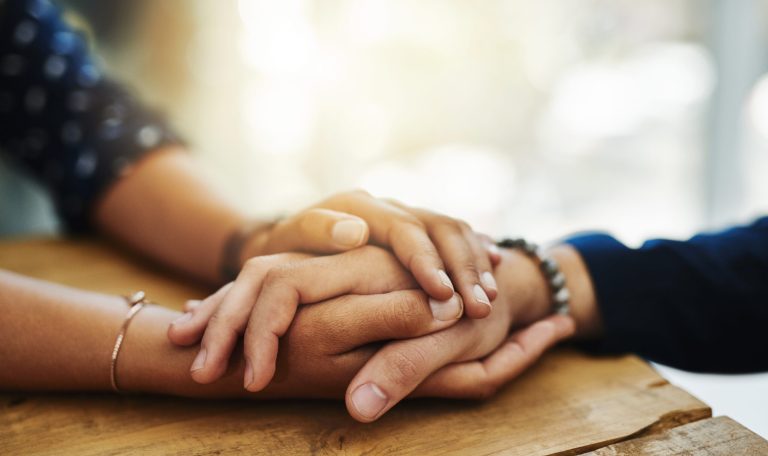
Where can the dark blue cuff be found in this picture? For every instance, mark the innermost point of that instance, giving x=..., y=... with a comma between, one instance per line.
x=697, y=305
x=627, y=284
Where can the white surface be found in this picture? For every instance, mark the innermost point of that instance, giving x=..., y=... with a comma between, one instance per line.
x=742, y=397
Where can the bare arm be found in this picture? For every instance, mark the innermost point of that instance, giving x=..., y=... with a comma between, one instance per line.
x=166, y=210
x=57, y=338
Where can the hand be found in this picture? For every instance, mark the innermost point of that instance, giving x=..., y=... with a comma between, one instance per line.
x=327, y=346
x=329, y=341
x=263, y=300
x=427, y=365
x=438, y=250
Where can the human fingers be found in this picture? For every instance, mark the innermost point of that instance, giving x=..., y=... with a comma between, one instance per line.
x=461, y=261
x=397, y=369
x=482, y=378
x=345, y=323
x=191, y=305
x=494, y=254
x=367, y=270
x=465, y=258
x=188, y=328
x=221, y=326
x=394, y=228
x=400, y=366
x=486, y=241
x=317, y=230
x=482, y=261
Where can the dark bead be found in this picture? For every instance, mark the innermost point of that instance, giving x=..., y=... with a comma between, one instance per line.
x=557, y=281
x=531, y=248
x=550, y=267
x=511, y=243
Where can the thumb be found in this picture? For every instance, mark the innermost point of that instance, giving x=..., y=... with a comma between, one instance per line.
x=318, y=231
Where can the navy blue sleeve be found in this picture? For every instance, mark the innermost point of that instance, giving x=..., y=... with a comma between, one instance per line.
x=699, y=305
x=60, y=119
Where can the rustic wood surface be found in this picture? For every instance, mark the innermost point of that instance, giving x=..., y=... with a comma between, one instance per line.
x=569, y=403
x=719, y=436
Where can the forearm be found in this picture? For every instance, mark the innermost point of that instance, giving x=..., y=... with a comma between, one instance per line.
x=166, y=210
x=58, y=338
x=52, y=337
x=166, y=370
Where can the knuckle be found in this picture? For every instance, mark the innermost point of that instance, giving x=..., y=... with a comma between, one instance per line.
x=407, y=228
x=203, y=305
x=260, y=266
x=469, y=269
x=463, y=226
x=350, y=196
x=255, y=264
x=409, y=221
x=221, y=326
x=405, y=312
x=277, y=275
x=448, y=223
x=393, y=202
x=412, y=304
x=404, y=366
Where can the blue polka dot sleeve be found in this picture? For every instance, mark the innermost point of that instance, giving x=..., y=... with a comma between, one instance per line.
x=73, y=129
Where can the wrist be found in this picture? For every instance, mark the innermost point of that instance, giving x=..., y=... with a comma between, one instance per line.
x=523, y=284
x=248, y=240
x=150, y=363
x=584, y=308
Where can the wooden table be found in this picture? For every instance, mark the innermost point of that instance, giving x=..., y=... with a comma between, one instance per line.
x=569, y=403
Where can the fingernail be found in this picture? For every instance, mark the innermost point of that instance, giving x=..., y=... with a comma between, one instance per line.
x=199, y=361
x=446, y=310
x=182, y=319
x=444, y=279
x=348, y=232
x=369, y=400
x=248, y=379
x=488, y=280
x=480, y=295
x=192, y=304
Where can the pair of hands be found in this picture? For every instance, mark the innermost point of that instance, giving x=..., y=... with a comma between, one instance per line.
x=371, y=333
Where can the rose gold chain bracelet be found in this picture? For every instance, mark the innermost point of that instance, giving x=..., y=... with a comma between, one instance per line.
x=136, y=302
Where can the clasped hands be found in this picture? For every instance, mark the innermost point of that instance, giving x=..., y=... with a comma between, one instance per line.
x=373, y=301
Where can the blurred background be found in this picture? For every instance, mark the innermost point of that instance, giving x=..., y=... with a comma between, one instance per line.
x=644, y=118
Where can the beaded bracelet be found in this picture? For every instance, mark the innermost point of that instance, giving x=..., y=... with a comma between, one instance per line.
x=561, y=297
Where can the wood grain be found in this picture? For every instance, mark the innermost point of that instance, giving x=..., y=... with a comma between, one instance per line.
x=719, y=436
x=97, y=266
x=569, y=403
